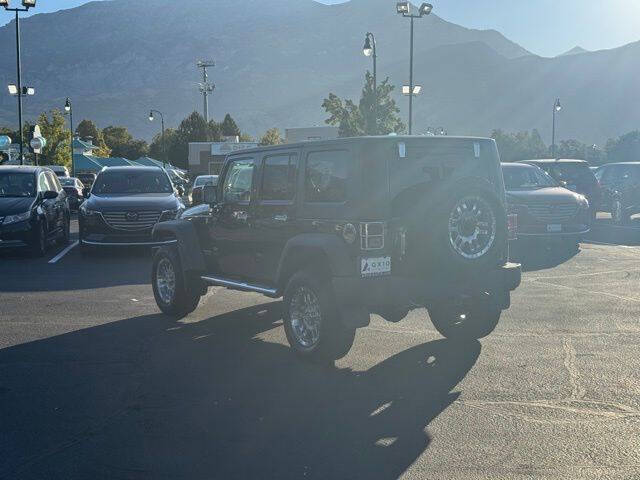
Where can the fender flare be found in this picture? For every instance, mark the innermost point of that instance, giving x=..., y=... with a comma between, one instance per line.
x=300, y=249
x=188, y=245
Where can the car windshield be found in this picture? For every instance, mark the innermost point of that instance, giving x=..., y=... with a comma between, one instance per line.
x=17, y=185
x=526, y=178
x=122, y=182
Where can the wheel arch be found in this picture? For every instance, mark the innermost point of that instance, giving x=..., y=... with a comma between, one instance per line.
x=188, y=245
x=327, y=252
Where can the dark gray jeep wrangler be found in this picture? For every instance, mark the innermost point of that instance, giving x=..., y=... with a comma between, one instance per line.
x=345, y=228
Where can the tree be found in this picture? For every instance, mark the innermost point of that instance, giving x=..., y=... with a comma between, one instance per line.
x=520, y=145
x=122, y=143
x=572, y=149
x=58, y=148
x=368, y=117
x=229, y=127
x=625, y=148
x=271, y=137
x=87, y=130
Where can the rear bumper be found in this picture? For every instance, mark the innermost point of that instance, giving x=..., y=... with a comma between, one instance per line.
x=396, y=291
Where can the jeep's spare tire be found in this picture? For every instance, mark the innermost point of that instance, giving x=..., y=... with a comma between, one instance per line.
x=468, y=228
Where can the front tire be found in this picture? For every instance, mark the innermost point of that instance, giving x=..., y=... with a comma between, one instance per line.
x=173, y=294
x=470, y=320
x=312, y=322
x=39, y=245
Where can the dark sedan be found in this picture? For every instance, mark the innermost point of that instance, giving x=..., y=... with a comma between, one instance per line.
x=124, y=205
x=545, y=209
x=34, y=210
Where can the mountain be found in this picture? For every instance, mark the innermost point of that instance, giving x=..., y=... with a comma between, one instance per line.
x=574, y=51
x=277, y=59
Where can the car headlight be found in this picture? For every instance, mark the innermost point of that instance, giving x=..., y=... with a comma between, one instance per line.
x=171, y=214
x=86, y=212
x=21, y=217
x=583, y=202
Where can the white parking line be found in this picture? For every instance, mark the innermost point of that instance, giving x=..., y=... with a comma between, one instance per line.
x=64, y=252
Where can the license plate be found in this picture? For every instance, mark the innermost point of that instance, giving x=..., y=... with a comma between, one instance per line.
x=374, y=267
x=554, y=228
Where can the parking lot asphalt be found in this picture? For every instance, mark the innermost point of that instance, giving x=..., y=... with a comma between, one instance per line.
x=95, y=383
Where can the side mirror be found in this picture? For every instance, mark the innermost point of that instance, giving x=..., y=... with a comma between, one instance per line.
x=209, y=194
x=86, y=192
x=49, y=195
x=196, y=196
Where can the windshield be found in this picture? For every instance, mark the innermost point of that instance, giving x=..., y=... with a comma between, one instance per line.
x=122, y=182
x=17, y=185
x=526, y=178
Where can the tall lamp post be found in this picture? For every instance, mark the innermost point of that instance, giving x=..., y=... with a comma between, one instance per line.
x=27, y=4
x=164, y=149
x=369, y=50
x=68, y=110
x=404, y=9
x=556, y=109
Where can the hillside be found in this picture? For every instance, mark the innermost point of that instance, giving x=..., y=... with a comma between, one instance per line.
x=277, y=59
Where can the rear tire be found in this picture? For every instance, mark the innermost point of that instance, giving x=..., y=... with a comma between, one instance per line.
x=475, y=320
x=311, y=320
x=173, y=293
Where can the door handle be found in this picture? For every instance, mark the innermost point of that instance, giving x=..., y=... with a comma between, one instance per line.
x=281, y=218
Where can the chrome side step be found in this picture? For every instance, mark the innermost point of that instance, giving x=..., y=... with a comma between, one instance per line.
x=245, y=287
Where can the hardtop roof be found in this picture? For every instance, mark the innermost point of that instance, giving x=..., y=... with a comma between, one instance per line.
x=350, y=140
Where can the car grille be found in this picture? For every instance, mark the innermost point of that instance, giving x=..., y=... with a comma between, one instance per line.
x=553, y=213
x=131, y=220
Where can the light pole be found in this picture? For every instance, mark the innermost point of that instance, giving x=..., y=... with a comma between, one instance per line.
x=27, y=4
x=68, y=109
x=404, y=9
x=164, y=149
x=369, y=50
x=556, y=109
x=206, y=88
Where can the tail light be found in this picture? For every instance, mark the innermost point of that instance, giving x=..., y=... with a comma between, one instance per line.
x=372, y=235
x=512, y=226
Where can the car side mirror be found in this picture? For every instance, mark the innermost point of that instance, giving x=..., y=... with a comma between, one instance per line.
x=196, y=196
x=209, y=194
x=86, y=192
x=49, y=195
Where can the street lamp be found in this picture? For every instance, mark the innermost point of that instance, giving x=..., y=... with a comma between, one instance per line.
x=404, y=9
x=417, y=90
x=556, y=109
x=68, y=110
x=164, y=148
x=27, y=4
x=369, y=50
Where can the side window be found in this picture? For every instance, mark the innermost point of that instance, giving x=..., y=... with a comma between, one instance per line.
x=279, y=177
x=239, y=180
x=54, y=183
x=326, y=176
x=43, y=183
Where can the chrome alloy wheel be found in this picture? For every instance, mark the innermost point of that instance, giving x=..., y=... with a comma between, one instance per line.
x=306, y=318
x=166, y=280
x=472, y=227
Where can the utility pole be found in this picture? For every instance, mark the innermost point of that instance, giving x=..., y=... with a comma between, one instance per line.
x=206, y=88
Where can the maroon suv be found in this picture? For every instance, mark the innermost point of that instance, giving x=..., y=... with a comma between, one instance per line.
x=545, y=209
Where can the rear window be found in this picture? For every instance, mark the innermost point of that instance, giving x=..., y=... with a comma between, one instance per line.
x=326, y=176
x=571, y=172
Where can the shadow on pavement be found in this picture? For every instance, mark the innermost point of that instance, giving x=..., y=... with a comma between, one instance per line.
x=605, y=231
x=152, y=399
x=540, y=256
x=100, y=269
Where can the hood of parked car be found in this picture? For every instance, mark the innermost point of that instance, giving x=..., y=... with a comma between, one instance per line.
x=550, y=195
x=144, y=201
x=15, y=205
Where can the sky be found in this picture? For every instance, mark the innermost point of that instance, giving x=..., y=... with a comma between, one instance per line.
x=544, y=27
